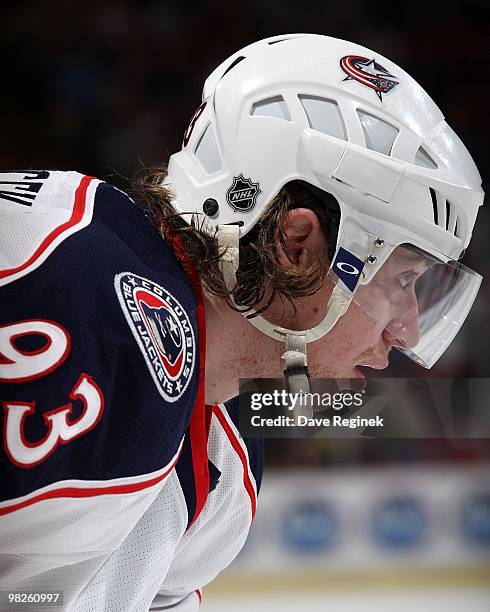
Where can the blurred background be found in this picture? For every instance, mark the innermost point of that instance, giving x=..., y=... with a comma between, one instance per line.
x=107, y=88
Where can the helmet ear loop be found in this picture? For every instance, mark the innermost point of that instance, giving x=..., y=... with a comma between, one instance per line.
x=327, y=207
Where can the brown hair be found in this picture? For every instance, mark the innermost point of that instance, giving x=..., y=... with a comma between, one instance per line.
x=260, y=277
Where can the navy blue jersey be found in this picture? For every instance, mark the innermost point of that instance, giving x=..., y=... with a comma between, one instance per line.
x=108, y=449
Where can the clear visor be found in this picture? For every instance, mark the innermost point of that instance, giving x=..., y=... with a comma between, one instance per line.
x=407, y=299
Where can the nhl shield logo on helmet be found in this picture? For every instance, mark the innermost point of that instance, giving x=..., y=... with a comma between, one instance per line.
x=242, y=195
x=162, y=330
x=369, y=73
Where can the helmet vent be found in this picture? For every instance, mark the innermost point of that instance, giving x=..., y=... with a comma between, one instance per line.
x=445, y=214
x=272, y=107
x=434, y=205
x=207, y=152
x=451, y=218
x=378, y=134
x=236, y=61
x=324, y=115
x=422, y=158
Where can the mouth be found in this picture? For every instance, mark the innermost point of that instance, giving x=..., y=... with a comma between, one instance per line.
x=359, y=374
x=376, y=364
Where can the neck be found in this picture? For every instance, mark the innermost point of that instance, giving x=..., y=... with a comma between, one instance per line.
x=234, y=350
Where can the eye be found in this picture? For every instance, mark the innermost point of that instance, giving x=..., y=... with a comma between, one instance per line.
x=406, y=279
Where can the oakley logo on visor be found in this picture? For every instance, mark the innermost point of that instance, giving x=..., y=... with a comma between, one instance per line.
x=348, y=268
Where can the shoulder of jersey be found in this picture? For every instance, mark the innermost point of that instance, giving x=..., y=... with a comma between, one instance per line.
x=99, y=355
x=39, y=209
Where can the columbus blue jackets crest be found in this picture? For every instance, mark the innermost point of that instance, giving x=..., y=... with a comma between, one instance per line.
x=162, y=330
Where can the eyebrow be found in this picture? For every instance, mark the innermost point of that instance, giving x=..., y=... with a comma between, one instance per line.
x=415, y=257
x=413, y=254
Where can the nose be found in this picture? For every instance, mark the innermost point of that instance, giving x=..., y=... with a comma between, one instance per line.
x=403, y=330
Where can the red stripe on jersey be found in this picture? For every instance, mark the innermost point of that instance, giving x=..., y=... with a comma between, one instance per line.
x=198, y=424
x=241, y=454
x=76, y=217
x=90, y=492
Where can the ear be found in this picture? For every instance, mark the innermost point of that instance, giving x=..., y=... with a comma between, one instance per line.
x=304, y=239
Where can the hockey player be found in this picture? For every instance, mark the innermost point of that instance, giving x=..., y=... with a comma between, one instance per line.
x=320, y=193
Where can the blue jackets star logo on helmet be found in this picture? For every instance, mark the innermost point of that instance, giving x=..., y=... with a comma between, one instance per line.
x=369, y=73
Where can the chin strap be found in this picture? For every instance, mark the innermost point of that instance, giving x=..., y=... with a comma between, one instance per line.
x=228, y=237
x=296, y=373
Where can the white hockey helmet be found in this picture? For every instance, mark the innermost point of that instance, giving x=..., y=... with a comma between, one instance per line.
x=350, y=122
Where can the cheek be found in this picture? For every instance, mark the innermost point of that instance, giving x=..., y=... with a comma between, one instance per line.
x=355, y=333
x=372, y=305
x=360, y=330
